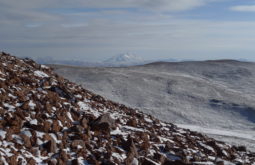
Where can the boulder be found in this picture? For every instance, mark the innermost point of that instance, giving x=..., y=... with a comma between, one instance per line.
x=103, y=123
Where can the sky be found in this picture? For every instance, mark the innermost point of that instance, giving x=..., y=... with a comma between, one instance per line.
x=94, y=30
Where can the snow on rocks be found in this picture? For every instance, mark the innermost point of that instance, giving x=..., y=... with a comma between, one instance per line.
x=40, y=74
x=45, y=119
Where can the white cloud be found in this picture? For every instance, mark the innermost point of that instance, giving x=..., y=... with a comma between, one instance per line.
x=243, y=8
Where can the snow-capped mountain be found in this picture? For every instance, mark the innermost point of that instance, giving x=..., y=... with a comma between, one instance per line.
x=46, y=119
x=126, y=59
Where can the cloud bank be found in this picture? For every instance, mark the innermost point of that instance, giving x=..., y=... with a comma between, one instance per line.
x=93, y=29
x=244, y=8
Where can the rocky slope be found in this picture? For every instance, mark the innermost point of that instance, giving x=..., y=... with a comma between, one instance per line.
x=45, y=119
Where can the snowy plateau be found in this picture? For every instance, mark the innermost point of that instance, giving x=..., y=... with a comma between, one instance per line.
x=213, y=97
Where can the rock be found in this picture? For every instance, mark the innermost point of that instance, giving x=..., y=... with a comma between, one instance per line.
x=76, y=128
x=51, y=146
x=77, y=143
x=84, y=123
x=55, y=126
x=26, y=140
x=104, y=123
x=75, y=162
x=63, y=156
x=13, y=160
x=31, y=161
x=241, y=148
x=132, y=122
x=130, y=147
x=220, y=163
x=47, y=126
x=159, y=157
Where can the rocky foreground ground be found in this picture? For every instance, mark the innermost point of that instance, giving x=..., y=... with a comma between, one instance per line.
x=45, y=119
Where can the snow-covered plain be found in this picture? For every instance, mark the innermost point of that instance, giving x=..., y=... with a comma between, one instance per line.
x=214, y=97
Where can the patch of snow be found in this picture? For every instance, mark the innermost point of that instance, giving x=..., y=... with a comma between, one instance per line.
x=53, y=136
x=39, y=134
x=27, y=133
x=148, y=120
x=6, y=151
x=34, y=122
x=162, y=139
x=207, y=147
x=18, y=139
x=10, y=95
x=118, y=156
x=78, y=96
x=117, y=131
x=135, y=162
x=44, y=67
x=69, y=116
x=31, y=104
x=10, y=107
x=83, y=105
x=40, y=74
x=82, y=161
x=225, y=153
x=2, y=134
x=134, y=129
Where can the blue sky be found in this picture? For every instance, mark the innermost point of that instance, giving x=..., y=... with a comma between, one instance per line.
x=95, y=30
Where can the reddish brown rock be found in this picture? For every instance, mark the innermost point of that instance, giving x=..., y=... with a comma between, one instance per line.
x=26, y=141
x=132, y=122
x=51, y=146
x=104, y=123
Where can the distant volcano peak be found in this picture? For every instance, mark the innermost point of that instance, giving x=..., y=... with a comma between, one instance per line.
x=125, y=58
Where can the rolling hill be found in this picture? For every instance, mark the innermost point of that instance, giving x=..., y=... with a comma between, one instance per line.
x=196, y=95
